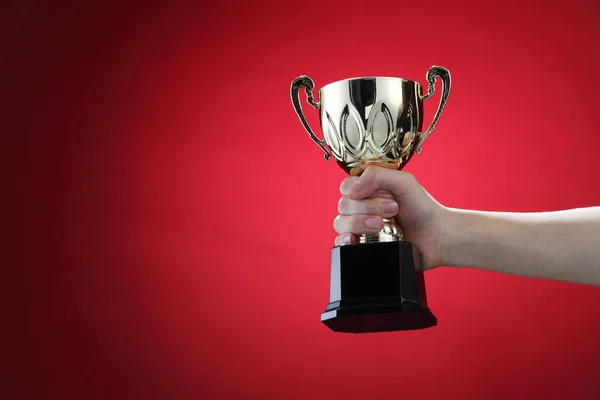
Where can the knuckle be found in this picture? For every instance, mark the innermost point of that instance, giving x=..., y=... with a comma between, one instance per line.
x=346, y=184
x=338, y=240
x=336, y=221
x=342, y=204
x=343, y=224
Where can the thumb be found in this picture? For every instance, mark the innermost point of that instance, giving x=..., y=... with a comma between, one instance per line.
x=399, y=183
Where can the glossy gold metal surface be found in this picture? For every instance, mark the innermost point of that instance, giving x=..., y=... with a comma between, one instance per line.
x=372, y=121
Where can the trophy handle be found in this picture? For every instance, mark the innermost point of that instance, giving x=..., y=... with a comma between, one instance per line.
x=308, y=84
x=433, y=73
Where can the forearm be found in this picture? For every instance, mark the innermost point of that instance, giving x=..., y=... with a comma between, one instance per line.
x=560, y=245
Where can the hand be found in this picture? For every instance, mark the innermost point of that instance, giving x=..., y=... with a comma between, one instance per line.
x=383, y=193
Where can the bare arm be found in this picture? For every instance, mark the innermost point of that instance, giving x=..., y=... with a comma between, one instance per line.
x=560, y=245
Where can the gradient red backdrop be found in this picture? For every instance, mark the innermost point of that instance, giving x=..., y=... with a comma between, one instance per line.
x=169, y=222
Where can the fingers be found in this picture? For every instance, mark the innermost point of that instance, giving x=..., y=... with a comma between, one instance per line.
x=368, y=199
x=347, y=238
x=384, y=194
x=358, y=224
x=377, y=180
x=347, y=185
x=383, y=207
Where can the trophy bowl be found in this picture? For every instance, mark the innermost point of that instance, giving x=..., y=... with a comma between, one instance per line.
x=374, y=121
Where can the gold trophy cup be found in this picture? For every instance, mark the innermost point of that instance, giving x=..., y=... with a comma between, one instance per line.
x=374, y=285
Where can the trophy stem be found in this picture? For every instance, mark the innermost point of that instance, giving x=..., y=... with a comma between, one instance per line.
x=391, y=232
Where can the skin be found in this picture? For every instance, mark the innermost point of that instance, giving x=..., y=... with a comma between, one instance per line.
x=559, y=245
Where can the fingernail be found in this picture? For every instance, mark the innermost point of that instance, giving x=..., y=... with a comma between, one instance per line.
x=389, y=207
x=373, y=223
x=346, y=239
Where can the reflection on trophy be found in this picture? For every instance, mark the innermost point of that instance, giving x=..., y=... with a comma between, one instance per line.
x=375, y=286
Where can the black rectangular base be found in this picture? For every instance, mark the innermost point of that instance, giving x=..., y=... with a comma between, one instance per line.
x=376, y=288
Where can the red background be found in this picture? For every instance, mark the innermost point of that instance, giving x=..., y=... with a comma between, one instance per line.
x=170, y=222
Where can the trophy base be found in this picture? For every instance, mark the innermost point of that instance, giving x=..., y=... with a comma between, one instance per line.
x=376, y=288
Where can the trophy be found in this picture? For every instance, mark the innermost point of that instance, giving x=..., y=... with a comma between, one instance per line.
x=374, y=285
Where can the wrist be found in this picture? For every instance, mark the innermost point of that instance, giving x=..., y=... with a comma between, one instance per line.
x=448, y=220
x=461, y=231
